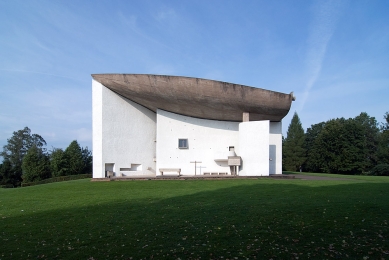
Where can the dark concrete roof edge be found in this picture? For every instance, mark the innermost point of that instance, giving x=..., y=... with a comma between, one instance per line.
x=140, y=74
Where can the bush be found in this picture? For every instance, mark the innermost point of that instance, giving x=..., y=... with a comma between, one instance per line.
x=380, y=170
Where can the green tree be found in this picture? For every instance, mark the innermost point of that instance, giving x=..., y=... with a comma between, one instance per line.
x=75, y=158
x=59, y=163
x=383, y=147
x=385, y=125
x=347, y=146
x=87, y=159
x=313, y=162
x=6, y=174
x=35, y=165
x=293, y=145
x=370, y=140
x=16, y=148
x=338, y=148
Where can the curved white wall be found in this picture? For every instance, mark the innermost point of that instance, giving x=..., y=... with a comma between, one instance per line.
x=128, y=138
x=123, y=134
x=207, y=139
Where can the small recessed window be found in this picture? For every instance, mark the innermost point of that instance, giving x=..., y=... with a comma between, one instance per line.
x=183, y=143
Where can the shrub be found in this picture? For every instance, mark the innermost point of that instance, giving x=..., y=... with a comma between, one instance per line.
x=380, y=170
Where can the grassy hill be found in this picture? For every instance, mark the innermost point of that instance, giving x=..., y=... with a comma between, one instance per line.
x=192, y=219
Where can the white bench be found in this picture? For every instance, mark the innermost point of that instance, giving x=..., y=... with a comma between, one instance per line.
x=162, y=170
x=215, y=173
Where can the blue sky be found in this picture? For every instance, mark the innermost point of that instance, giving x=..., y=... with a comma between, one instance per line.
x=334, y=55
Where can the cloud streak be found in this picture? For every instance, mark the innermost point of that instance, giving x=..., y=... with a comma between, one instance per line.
x=325, y=17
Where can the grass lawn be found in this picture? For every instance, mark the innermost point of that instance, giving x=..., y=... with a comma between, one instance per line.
x=193, y=219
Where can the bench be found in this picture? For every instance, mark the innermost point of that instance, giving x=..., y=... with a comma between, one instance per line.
x=162, y=170
x=215, y=173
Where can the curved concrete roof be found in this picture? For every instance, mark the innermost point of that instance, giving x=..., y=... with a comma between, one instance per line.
x=201, y=98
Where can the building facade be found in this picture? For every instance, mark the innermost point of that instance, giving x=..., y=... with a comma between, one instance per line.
x=154, y=125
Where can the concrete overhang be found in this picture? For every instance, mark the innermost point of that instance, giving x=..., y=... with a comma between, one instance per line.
x=201, y=98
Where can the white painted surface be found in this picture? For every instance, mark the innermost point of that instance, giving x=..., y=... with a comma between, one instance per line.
x=254, y=148
x=123, y=133
x=129, y=138
x=97, y=134
x=206, y=139
x=275, y=148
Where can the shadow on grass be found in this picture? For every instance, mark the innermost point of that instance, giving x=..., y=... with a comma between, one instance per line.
x=253, y=221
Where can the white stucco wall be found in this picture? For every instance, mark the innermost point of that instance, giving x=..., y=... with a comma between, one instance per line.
x=123, y=134
x=254, y=148
x=208, y=140
x=275, y=148
x=130, y=137
x=97, y=128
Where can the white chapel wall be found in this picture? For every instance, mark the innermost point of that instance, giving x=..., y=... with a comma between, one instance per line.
x=254, y=148
x=97, y=134
x=123, y=135
x=207, y=140
x=128, y=136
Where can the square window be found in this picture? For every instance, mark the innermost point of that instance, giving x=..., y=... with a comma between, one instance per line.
x=183, y=143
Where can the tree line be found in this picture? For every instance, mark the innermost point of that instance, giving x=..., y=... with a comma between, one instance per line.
x=25, y=159
x=357, y=145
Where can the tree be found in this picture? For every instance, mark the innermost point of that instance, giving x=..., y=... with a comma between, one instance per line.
x=339, y=147
x=313, y=162
x=293, y=150
x=370, y=140
x=59, y=163
x=35, y=165
x=6, y=174
x=380, y=170
x=87, y=159
x=75, y=158
x=383, y=147
x=17, y=147
x=347, y=146
x=385, y=125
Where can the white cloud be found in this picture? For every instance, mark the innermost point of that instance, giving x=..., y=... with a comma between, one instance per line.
x=326, y=15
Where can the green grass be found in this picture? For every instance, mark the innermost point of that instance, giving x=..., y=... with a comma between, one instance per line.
x=340, y=176
x=192, y=219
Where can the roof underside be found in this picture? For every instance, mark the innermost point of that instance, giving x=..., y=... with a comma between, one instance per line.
x=201, y=98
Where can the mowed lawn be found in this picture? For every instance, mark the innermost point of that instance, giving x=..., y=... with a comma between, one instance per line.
x=192, y=219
